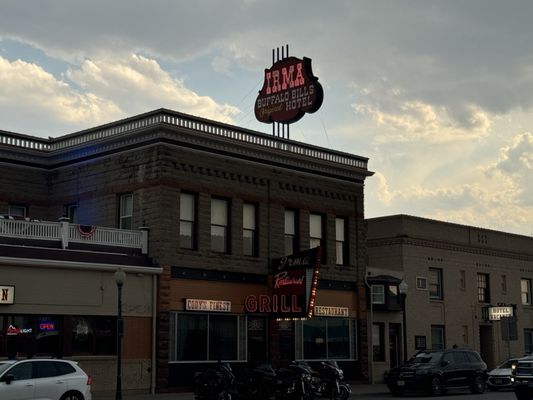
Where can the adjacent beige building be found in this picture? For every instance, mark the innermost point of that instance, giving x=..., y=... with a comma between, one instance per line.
x=456, y=275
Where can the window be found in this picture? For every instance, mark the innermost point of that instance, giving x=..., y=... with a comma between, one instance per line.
x=125, y=211
x=17, y=211
x=465, y=335
x=504, y=284
x=22, y=372
x=483, y=289
x=525, y=289
x=249, y=236
x=437, y=337
x=325, y=338
x=219, y=225
x=462, y=279
x=435, y=283
x=392, y=295
x=71, y=212
x=378, y=341
x=315, y=231
x=421, y=283
x=58, y=335
x=291, y=238
x=187, y=221
x=528, y=341
x=378, y=294
x=200, y=337
x=340, y=242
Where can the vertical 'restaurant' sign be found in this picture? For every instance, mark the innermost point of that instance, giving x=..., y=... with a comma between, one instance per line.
x=295, y=277
x=289, y=91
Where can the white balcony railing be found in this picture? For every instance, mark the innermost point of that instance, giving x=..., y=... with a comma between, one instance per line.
x=66, y=233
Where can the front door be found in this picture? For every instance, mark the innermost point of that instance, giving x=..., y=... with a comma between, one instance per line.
x=394, y=345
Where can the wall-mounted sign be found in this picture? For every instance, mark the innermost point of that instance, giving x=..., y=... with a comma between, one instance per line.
x=207, y=305
x=496, y=313
x=327, y=311
x=293, y=291
x=7, y=294
x=289, y=91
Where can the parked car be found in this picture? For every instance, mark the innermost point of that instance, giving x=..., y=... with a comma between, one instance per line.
x=500, y=377
x=522, y=378
x=439, y=370
x=47, y=379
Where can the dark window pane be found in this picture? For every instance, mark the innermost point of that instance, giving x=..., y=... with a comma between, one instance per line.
x=248, y=245
x=47, y=337
x=186, y=235
x=218, y=238
x=315, y=338
x=222, y=337
x=82, y=335
x=338, y=338
x=105, y=333
x=192, y=337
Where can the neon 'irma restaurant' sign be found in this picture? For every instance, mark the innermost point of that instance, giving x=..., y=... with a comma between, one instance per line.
x=289, y=91
x=293, y=290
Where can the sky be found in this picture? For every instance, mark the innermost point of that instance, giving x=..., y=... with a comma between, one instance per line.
x=437, y=94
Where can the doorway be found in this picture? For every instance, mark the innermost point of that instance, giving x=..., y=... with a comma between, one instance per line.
x=395, y=358
x=486, y=341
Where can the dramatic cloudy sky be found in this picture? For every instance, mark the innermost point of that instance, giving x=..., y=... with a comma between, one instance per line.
x=438, y=94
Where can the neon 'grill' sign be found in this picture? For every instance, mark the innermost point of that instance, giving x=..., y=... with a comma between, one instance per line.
x=289, y=91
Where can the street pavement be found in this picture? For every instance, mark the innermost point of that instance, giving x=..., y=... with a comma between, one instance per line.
x=358, y=389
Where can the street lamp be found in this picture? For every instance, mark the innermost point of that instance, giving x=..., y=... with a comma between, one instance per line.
x=403, y=286
x=120, y=277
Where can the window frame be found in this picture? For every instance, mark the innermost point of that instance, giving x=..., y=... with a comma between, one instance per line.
x=483, y=287
x=437, y=294
x=342, y=242
x=442, y=332
x=12, y=207
x=225, y=226
x=191, y=223
x=289, y=236
x=251, y=230
x=122, y=216
x=527, y=301
x=317, y=240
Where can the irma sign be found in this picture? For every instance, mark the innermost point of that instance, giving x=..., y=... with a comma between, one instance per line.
x=289, y=91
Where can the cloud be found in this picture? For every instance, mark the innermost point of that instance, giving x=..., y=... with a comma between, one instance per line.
x=41, y=94
x=139, y=84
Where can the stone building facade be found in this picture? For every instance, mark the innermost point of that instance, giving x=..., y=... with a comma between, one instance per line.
x=221, y=203
x=460, y=280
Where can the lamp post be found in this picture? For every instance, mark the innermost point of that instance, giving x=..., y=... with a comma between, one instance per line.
x=403, y=286
x=120, y=277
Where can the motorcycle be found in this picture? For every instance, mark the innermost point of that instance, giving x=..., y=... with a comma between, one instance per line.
x=214, y=383
x=294, y=383
x=328, y=381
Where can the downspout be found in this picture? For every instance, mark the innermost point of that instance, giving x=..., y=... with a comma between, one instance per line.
x=154, y=332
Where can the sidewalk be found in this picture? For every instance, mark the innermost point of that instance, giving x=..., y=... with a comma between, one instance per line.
x=358, y=389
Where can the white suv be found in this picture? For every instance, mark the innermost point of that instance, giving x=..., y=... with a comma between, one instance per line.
x=43, y=379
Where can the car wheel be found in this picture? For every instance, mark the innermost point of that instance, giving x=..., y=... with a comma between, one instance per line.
x=478, y=386
x=72, y=396
x=436, y=387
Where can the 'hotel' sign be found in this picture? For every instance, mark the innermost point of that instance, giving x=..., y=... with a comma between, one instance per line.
x=7, y=294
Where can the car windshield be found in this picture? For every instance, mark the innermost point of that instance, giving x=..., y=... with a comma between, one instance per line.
x=426, y=358
x=4, y=366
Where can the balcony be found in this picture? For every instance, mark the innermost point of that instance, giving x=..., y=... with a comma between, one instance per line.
x=66, y=235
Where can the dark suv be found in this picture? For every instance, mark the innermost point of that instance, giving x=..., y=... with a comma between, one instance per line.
x=522, y=378
x=439, y=370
